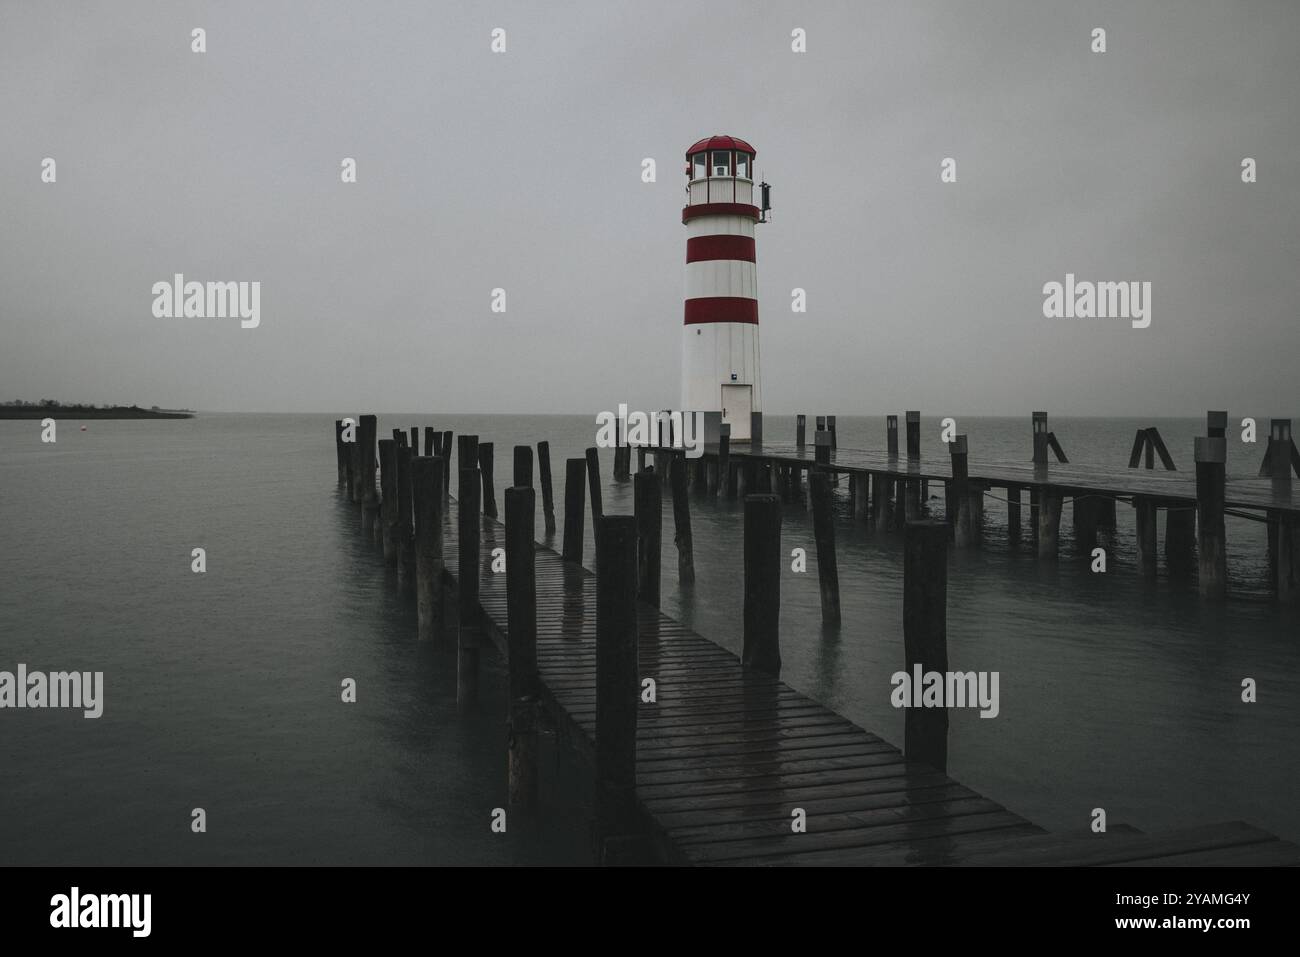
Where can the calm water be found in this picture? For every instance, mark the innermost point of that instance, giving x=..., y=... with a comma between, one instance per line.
x=222, y=690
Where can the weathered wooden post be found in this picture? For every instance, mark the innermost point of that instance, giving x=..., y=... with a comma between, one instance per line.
x=1013, y=513
x=725, y=474
x=388, y=499
x=415, y=440
x=821, y=423
x=358, y=483
x=1049, y=522
x=405, y=533
x=467, y=588
x=446, y=472
x=1216, y=424
x=523, y=466
x=521, y=644
x=880, y=501
x=575, y=477
x=830, y=427
x=485, y=466
x=800, y=427
x=1284, y=544
x=682, y=522
x=762, y=642
x=429, y=433
x=366, y=435
x=1145, y=508
x=466, y=454
x=1039, y=420
x=617, y=680
x=1211, y=547
x=622, y=452
x=593, y=484
x=340, y=452
x=958, y=452
x=648, y=500
x=925, y=637
x=1180, y=539
x=912, y=487
x=1280, y=458
x=914, y=436
x=822, y=448
x=891, y=435
x=828, y=574
x=426, y=479
x=548, y=498
x=858, y=482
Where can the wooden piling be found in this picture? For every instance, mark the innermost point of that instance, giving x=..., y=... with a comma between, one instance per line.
x=426, y=482
x=858, y=482
x=1216, y=424
x=925, y=636
x=366, y=436
x=1013, y=513
x=548, y=498
x=648, y=503
x=593, y=487
x=880, y=495
x=521, y=645
x=830, y=427
x=1284, y=558
x=725, y=473
x=1145, y=514
x=958, y=452
x=388, y=499
x=485, y=467
x=356, y=484
x=1039, y=422
x=682, y=522
x=1211, y=547
x=800, y=428
x=575, y=477
x=429, y=447
x=340, y=452
x=523, y=470
x=891, y=435
x=762, y=642
x=828, y=574
x=467, y=588
x=822, y=448
x=617, y=677
x=1049, y=523
x=913, y=436
x=447, y=470
x=404, y=533
x=415, y=440
x=1180, y=540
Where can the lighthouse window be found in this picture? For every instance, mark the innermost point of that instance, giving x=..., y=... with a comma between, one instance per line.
x=742, y=165
x=721, y=163
x=699, y=164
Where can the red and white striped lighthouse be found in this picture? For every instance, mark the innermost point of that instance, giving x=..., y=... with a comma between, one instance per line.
x=720, y=335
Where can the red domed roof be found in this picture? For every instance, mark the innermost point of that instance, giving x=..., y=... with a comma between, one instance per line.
x=721, y=143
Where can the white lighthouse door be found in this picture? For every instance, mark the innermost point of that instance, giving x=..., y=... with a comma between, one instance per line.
x=737, y=404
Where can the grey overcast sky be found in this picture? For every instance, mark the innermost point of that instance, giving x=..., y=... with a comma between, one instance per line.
x=522, y=170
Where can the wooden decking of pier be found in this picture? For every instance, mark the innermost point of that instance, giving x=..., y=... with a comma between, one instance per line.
x=726, y=754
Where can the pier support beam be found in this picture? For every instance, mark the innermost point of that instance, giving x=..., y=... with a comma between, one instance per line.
x=485, y=465
x=880, y=496
x=959, y=497
x=467, y=581
x=828, y=575
x=1180, y=539
x=925, y=635
x=1145, y=509
x=1049, y=523
x=762, y=642
x=593, y=487
x=521, y=645
x=341, y=453
x=858, y=483
x=617, y=680
x=404, y=532
x=682, y=522
x=1013, y=513
x=426, y=479
x=388, y=499
x=1211, y=545
x=648, y=504
x=725, y=474
x=548, y=497
x=575, y=476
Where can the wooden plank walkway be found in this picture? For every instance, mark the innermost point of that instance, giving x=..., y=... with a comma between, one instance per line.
x=724, y=755
x=1179, y=487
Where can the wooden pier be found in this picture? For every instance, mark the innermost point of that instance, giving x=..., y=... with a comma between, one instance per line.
x=706, y=759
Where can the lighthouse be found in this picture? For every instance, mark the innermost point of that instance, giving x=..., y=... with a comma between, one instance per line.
x=720, y=354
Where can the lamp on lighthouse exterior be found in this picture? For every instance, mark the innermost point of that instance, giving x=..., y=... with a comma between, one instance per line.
x=720, y=354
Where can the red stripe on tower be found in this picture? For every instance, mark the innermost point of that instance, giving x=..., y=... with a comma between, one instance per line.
x=721, y=309
x=705, y=248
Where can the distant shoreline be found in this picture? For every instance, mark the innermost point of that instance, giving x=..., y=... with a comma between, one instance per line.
x=84, y=412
